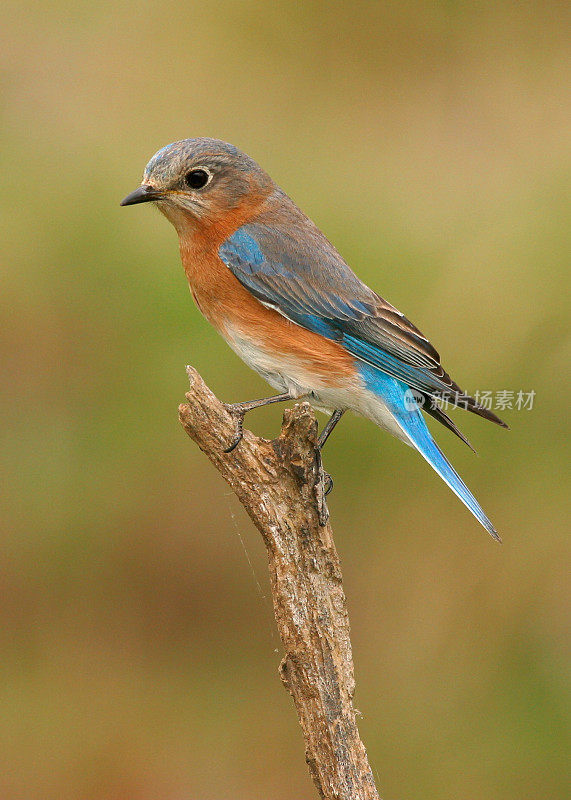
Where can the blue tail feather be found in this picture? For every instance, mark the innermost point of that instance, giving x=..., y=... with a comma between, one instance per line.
x=410, y=420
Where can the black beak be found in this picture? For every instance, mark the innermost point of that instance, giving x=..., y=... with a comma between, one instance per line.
x=141, y=195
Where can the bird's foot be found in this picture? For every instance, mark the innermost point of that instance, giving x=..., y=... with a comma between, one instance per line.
x=237, y=412
x=323, y=486
x=324, y=476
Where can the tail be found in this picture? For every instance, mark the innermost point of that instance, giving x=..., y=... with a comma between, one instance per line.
x=413, y=425
x=407, y=422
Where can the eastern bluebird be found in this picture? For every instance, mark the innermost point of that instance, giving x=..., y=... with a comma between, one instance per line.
x=287, y=303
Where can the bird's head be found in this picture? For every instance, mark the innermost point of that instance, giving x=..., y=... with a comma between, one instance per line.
x=201, y=182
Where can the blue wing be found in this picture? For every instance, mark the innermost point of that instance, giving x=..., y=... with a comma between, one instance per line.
x=295, y=270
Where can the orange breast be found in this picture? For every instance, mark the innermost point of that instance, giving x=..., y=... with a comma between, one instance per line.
x=230, y=307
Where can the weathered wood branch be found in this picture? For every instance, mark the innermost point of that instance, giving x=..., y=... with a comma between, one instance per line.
x=277, y=482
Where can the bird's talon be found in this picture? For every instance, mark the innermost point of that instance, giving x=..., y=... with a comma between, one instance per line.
x=238, y=415
x=323, y=486
x=324, y=478
x=327, y=483
x=234, y=444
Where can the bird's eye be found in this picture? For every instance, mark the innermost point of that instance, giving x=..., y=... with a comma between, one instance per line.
x=197, y=178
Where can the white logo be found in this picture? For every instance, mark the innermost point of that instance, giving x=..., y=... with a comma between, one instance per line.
x=413, y=400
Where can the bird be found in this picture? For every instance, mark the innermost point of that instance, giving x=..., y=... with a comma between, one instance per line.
x=284, y=299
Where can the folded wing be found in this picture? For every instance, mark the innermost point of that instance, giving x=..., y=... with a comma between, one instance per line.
x=305, y=279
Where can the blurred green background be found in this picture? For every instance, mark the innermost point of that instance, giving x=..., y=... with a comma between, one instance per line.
x=138, y=657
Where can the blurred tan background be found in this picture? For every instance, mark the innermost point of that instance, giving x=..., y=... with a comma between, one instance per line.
x=138, y=657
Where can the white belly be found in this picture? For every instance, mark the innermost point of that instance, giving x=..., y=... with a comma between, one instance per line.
x=288, y=374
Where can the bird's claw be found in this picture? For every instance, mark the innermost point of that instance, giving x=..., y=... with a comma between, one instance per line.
x=323, y=486
x=237, y=413
x=323, y=476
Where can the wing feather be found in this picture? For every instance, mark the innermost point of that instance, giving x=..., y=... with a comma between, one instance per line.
x=306, y=280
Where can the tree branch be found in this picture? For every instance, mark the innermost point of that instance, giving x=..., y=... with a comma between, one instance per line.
x=278, y=484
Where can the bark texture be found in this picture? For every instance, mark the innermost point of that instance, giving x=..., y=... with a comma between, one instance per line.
x=278, y=484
